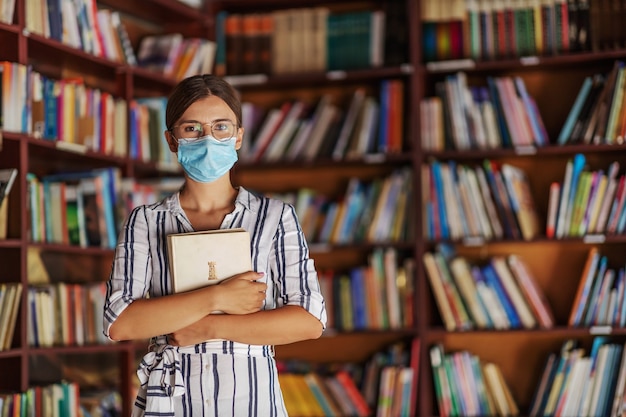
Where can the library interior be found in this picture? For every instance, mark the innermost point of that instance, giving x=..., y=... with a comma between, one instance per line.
x=457, y=169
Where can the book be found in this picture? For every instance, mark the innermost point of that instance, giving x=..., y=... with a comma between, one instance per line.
x=198, y=259
x=7, y=178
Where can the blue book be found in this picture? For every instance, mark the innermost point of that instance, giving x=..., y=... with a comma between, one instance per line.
x=497, y=105
x=530, y=108
x=609, y=380
x=568, y=126
x=383, y=119
x=51, y=102
x=359, y=299
x=587, y=282
x=595, y=291
x=492, y=279
x=578, y=165
x=55, y=19
x=441, y=203
x=32, y=306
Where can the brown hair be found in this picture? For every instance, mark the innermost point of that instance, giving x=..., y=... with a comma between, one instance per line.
x=197, y=87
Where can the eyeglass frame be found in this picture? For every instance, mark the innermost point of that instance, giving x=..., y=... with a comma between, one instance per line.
x=203, y=133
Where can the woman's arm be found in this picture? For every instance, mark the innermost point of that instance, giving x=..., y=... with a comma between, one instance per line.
x=145, y=318
x=130, y=314
x=269, y=327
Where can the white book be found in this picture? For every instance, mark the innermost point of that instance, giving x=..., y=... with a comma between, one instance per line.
x=515, y=294
x=198, y=259
x=319, y=131
x=349, y=124
x=280, y=142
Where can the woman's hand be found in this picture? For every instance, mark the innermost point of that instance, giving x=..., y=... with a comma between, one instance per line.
x=241, y=294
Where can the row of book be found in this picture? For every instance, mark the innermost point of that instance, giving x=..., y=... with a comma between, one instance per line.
x=87, y=208
x=298, y=130
x=146, y=138
x=384, y=385
x=78, y=208
x=499, y=115
x=466, y=385
x=81, y=118
x=500, y=293
x=10, y=295
x=175, y=56
x=587, y=201
x=65, y=110
x=313, y=395
x=369, y=211
x=64, y=314
x=301, y=40
x=376, y=296
x=82, y=25
x=577, y=382
x=60, y=399
x=487, y=30
x=600, y=295
x=488, y=201
x=598, y=114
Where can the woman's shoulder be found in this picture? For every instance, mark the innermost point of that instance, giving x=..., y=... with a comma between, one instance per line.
x=256, y=200
x=168, y=203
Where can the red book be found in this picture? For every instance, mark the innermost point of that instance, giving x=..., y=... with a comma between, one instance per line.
x=353, y=392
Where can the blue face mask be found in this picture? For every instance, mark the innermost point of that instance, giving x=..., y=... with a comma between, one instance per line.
x=206, y=159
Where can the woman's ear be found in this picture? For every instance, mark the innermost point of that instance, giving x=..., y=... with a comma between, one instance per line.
x=171, y=141
x=239, y=141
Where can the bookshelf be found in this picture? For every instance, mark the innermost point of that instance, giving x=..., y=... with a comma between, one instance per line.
x=552, y=79
x=33, y=260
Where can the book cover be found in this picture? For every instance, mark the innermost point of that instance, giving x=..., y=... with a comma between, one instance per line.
x=198, y=259
x=7, y=178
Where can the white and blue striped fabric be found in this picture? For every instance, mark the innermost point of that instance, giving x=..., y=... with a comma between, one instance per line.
x=218, y=377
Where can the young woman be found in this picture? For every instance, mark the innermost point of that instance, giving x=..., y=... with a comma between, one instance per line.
x=203, y=364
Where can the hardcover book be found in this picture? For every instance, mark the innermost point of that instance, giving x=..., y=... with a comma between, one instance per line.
x=198, y=259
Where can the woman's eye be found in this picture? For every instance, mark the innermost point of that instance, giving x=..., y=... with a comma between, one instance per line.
x=220, y=126
x=192, y=128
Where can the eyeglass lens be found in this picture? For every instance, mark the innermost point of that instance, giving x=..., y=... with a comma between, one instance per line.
x=220, y=130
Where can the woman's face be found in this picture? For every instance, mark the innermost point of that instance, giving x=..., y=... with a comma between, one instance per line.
x=205, y=111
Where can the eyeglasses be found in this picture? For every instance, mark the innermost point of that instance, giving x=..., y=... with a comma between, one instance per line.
x=191, y=131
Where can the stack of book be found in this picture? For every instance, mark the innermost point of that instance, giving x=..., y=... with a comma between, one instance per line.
x=370, y=211
x=479, y=30
x=377, y=296
x=587, y=202
x=301, y=40
x=501, y=293
x=467, y=386
x=65, y=314
x=10, y=296
x=81, y=25
x=79, y=208
x=598, y=114
x=499, y=115
x=599, y=299
x=174, y=56
x=298, y=130
x=483, y=202
x=577, y=383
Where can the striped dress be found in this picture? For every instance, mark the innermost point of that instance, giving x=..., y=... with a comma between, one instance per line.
x=218, y=377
